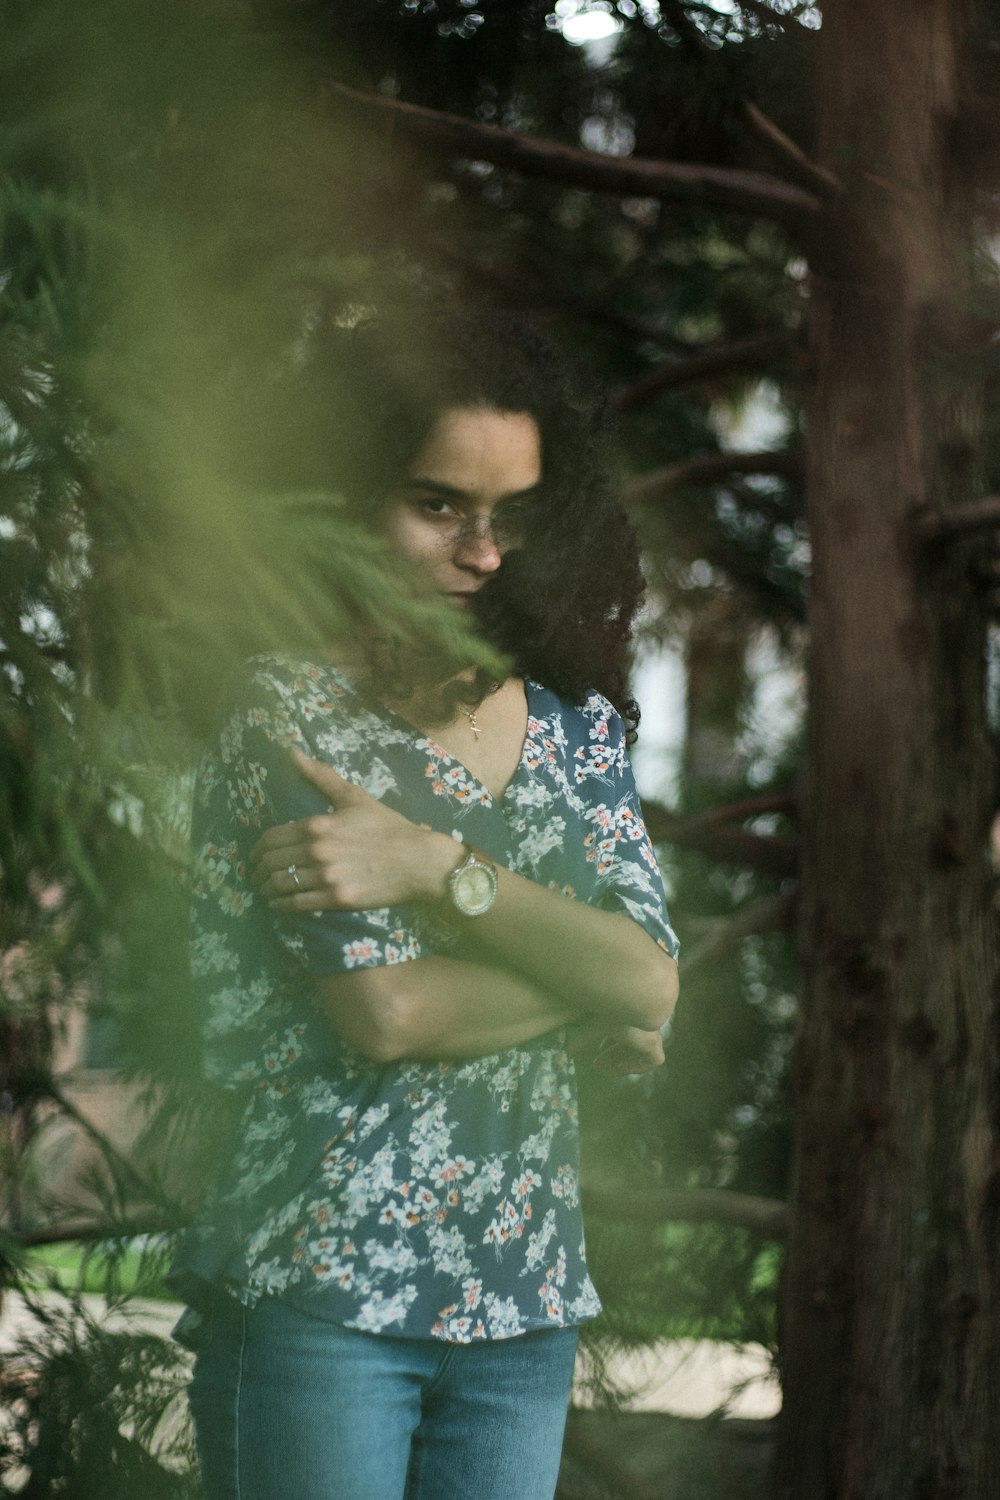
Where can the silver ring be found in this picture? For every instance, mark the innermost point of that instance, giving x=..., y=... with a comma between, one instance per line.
x=293, y=872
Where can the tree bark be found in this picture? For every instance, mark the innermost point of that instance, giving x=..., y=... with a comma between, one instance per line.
x=891, y=1336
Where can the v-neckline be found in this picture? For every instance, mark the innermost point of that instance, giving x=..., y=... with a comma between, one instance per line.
x=496, y=799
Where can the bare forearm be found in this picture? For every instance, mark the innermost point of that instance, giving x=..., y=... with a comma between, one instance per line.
x=600, y=962
x=439, y=1007
x=366, y=855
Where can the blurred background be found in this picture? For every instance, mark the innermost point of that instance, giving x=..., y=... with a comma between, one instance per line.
x=184, y=192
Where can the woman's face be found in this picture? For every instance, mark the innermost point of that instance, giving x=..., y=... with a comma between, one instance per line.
x=461, y=506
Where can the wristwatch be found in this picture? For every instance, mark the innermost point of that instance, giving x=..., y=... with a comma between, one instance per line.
x=472, y=885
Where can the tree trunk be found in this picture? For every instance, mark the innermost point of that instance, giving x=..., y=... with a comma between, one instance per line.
x=891, y=1338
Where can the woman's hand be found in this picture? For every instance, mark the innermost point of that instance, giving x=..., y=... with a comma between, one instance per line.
x=361, y=855
x=627, y=1050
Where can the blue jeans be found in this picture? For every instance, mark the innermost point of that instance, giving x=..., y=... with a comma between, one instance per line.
x=289, y=1407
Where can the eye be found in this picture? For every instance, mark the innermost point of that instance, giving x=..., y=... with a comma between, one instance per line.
x=434, y=505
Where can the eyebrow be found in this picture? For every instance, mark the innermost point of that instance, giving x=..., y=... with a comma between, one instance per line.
x=419, y=482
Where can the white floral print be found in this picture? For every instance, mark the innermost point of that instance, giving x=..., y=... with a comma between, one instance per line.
x=425, y=1199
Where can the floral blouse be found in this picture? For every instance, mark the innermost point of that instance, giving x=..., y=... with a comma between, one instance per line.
x=423, y=1198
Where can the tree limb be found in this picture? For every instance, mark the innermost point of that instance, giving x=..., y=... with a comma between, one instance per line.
x=768, y=853
x=774, y=914
x=753, y=807
x=969, y=516
x=706, y=468
x=768, y=1217
x=707, y=363
x=633, y=176
x=652, y=1205
x=820, y=179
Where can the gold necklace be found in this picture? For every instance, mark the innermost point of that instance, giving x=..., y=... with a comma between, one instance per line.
x=470, y=713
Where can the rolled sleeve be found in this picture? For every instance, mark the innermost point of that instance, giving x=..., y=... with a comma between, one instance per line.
x=628, y=874
x=328, y=943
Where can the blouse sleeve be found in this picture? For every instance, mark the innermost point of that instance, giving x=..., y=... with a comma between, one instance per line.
x=616, y=841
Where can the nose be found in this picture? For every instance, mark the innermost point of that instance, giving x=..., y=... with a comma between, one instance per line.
x=476, y=547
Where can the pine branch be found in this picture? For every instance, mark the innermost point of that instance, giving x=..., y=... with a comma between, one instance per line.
x=971, y=515
x=94, y=1230
x=120, y=1168
x=767, y=853
x=571, y=166
x=819, y=179
x=707, y=363
x=707, y=468
x=768, y=1217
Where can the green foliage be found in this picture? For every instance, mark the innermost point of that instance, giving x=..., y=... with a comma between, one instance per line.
x=164, y=251
x=684, y=1281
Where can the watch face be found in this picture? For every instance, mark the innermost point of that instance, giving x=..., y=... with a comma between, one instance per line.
x=474, y=889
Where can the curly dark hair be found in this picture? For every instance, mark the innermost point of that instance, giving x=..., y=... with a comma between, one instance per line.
x=561, y=607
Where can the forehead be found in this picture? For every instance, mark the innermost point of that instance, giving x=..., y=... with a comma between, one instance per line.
x=481, y=450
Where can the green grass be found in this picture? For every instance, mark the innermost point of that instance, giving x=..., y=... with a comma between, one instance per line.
x=75, y=1265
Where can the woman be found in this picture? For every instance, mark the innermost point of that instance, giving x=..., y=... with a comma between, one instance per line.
x=406, y=889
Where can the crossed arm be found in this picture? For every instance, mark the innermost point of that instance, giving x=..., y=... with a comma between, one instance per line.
x=546, y=961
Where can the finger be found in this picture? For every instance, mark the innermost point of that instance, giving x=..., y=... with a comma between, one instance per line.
x=338, y=791
x=302, y=853
x=622, y=1061
x=611, y=1048
x=612, y=1069
x=643, y=1062
x=288, y=880
x=307, y=901
x=276, y=841
x=608, y=1058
